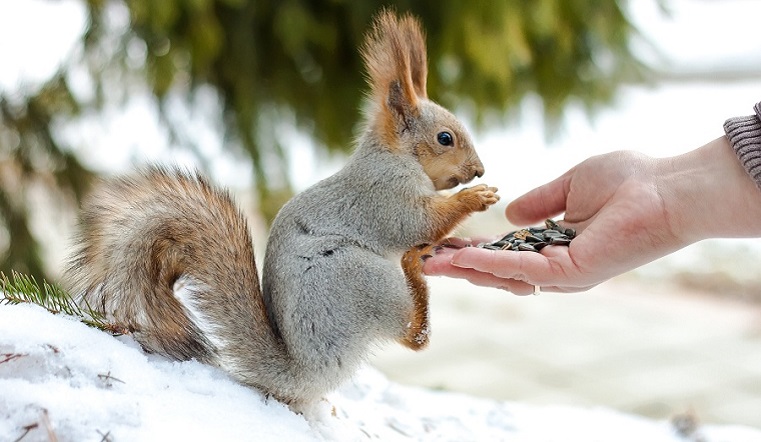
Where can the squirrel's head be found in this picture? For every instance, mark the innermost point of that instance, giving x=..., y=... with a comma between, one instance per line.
x=400, y=113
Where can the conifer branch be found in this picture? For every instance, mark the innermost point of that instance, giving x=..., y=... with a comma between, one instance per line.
x=23, y=289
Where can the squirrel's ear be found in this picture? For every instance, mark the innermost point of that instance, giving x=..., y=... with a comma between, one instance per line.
x=394, y=53
x=418, y=63
x=401, y=103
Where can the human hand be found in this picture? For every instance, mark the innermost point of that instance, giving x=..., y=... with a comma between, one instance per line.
x=627, y=209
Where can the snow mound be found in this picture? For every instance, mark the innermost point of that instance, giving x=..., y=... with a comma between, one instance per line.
x=61, y=380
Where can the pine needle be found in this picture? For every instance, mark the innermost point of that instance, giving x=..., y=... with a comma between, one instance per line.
x=24, y=289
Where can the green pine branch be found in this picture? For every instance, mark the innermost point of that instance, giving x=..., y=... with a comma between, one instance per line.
x=21, y=289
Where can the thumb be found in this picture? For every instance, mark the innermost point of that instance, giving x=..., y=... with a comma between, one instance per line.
x=546, y=201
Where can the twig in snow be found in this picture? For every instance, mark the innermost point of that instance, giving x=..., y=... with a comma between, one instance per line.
x=7, y=357
x=105, y=437
x=46, y=420
x=27, y=429
x=107, y=378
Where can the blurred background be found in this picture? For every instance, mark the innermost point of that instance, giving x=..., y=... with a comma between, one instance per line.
x=264, y=97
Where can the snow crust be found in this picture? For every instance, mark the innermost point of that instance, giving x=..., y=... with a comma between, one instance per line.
x=61, y=379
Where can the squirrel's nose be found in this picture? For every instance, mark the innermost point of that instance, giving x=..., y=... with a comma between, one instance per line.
x=478, y=169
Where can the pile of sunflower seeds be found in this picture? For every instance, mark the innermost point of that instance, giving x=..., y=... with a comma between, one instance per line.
x=533, y=239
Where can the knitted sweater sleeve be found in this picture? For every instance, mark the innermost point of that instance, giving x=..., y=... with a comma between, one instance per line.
x=744, y=134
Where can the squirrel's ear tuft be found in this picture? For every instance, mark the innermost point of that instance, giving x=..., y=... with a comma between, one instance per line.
x=395, y=57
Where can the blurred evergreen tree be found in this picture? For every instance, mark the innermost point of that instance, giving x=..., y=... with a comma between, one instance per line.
x=267, y=59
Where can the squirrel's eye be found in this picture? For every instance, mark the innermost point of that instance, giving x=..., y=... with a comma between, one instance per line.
x=445, y=138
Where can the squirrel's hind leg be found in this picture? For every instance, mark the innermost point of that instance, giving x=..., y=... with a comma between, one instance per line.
x=418, y=330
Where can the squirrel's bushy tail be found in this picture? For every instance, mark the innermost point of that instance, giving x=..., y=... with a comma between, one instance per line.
x=150, y=254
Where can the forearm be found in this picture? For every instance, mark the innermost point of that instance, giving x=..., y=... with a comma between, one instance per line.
x=709, y=194
x=715, y=191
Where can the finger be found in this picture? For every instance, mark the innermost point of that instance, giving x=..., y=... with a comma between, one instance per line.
x=440, y=266
x=541, y=203
x=531, y=268
x=440, y=263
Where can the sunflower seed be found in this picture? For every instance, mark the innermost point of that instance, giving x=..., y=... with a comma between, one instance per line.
x=533, y=239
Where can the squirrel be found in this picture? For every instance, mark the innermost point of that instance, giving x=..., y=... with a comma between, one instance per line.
x=169, y=256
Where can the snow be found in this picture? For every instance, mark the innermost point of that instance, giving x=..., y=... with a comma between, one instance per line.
x=61, y=380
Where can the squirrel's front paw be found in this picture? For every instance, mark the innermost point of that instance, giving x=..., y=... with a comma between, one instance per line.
x=479, y=198
x=415, y=256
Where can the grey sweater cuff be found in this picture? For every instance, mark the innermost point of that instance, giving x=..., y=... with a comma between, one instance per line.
x=744, y=134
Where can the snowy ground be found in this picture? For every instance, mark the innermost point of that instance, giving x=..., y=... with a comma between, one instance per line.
x=60, y=380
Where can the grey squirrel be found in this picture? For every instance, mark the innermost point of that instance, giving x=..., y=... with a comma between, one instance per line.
x=169, y=256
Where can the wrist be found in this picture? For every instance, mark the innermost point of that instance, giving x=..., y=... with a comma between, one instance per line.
x=708, y=194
